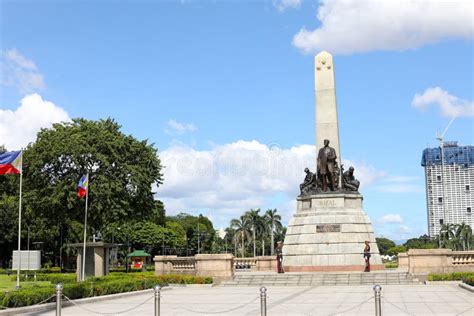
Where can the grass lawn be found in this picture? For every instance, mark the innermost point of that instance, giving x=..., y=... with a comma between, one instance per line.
x=391, y=265
x=6, y=284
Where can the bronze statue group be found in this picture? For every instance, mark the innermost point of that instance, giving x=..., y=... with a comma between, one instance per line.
x=326, y=178
x=328, y=174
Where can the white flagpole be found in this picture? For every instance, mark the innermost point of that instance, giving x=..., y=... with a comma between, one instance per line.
x=83, y=276
x=19, y=225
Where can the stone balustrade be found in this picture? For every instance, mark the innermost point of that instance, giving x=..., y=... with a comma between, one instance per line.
x=218, y=266
x=418, y=261
x=245, y=264
x=463, y=258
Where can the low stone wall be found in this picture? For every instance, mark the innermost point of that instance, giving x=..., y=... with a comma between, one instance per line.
x=218, y=266
x=262, y=263
x=419, y=261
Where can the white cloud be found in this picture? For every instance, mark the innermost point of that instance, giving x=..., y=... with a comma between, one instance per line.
x=352, y=26
x=175, y=127
x=19, y=127
x=232, y=178
x=390, y=219
x=449, y=105
x=19, y=72
x=282, y=5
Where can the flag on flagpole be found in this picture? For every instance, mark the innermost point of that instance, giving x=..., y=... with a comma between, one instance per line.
x=11, y=162
x=82, y=186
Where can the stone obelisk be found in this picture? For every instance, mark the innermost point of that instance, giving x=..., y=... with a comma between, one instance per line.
x=326, y=106
x=329, y=229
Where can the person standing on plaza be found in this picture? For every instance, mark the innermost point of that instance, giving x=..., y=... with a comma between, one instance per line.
x=367, y=256
x=279, y=257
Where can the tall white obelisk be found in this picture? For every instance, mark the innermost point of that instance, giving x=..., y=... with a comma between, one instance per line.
x=329, y=229
x=326, y=106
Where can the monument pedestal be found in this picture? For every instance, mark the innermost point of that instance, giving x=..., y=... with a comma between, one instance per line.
x=97, y=258
x=327, y=233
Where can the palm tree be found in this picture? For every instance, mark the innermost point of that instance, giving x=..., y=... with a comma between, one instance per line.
x=274, y=220
x=241, y=227
x=255, y=222
x=447, y=235
x=464, y=235
x=263, y=231
x=444, y=235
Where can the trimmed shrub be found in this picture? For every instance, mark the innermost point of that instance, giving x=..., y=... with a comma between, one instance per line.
x=25, y=297
x=111, y=284
x=454, y=276
x=469, y=281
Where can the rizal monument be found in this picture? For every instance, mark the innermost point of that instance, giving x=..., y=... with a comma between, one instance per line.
x=329, y=228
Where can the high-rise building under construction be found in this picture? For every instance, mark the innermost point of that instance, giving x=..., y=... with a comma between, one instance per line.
x=449, y=176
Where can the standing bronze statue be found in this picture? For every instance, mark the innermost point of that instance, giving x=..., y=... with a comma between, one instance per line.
x=326, y=166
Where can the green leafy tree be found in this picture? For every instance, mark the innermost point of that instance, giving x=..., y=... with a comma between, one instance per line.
x=122, y=171
x=196, y=228
x=177, y=235
x=384, y=244
x=394, y=251
x=422, y=242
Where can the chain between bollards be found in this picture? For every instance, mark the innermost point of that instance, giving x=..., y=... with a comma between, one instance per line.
x=378, y=302
x=157, y=289
x=59, y=296
x=263, y=301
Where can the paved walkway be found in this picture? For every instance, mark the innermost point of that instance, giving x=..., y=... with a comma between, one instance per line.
x=439, y=299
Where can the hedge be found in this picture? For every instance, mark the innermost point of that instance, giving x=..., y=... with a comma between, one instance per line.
x=51, y=277
x=469, y=281
x=27, y=296
x=454, y=276
x=111, y=284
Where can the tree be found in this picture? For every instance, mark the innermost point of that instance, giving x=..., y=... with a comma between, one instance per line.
x=274, y=220
x=384, y=244
x=122, y=171
x=464, y=234
x=256, y=223
x=199, y=231
x=446, y=235
x=394, y=251
x=242, y=228
x=422, y=242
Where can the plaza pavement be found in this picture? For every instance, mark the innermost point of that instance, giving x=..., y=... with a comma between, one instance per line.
x=432, y=299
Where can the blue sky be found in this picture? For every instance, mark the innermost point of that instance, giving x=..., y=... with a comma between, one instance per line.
x=226, y=91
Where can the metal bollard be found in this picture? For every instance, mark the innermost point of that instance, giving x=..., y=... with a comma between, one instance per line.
x=263, y=301
x=378, y=303
x=157, y=289
x=59, y=294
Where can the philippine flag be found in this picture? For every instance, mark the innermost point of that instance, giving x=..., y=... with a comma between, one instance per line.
x=82, y=186
x=11, y=162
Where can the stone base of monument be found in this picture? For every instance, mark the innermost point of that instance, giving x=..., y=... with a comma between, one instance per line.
x=327, y=233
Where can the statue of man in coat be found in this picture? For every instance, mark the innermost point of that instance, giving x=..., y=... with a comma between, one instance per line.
x=326, y=166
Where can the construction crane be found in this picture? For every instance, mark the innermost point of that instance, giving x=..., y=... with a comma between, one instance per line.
x=440, y=137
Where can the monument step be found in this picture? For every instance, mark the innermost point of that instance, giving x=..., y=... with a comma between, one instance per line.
x=321, y=279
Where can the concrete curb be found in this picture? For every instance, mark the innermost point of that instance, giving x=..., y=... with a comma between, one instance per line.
x=468, y=287
x=51, y=306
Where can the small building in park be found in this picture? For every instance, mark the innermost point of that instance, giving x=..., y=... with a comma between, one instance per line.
x=138, y=258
